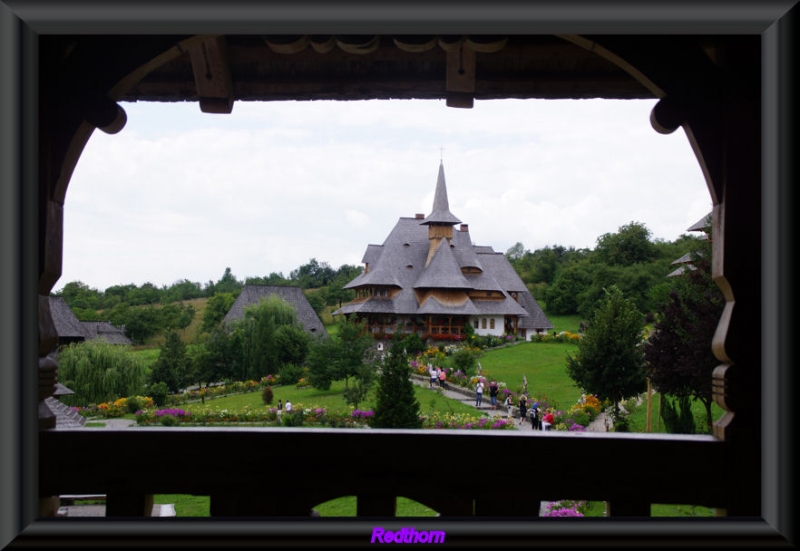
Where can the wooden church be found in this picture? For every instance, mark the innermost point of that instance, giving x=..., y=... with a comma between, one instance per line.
x=428, y=277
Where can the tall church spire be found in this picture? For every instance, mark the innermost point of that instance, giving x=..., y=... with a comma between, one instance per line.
x=441, y=215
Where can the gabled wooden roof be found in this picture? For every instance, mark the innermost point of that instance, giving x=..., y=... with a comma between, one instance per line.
x=701, y=224
x=402, y=261
x=66, y=417
x=106, y=331
x=67, y=325
x=293, y=295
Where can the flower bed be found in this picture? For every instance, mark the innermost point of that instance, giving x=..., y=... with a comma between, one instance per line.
x=565, y=508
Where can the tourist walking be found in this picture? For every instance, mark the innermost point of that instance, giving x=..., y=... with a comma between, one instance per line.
x=494, y=390
x=434, y=375
x=288, y=406
x=443, y=377
x=534, y=415
x=523, y=408
x=478, y=393
x=509, y=405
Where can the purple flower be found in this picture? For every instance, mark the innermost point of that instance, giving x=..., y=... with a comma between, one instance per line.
x=174, y=412
x=563, y=513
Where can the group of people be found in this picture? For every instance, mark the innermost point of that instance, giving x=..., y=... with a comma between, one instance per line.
x=538, y=420
x=281, y=406
x=438, y=375
x=494, y=390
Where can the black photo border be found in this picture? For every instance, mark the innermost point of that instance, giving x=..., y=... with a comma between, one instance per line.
x=22, y=21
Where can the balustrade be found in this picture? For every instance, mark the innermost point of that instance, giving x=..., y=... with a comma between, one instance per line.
x=276, y=472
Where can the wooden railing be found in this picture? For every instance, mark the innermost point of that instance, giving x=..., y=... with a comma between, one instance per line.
x=283, y=472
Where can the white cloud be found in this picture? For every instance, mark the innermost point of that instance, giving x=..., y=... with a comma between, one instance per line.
x=179, y=194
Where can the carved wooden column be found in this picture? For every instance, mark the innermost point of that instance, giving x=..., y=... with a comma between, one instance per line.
x=722, y=121
x=736, y=268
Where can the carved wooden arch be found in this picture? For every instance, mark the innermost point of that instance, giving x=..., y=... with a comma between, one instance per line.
x=80, y=97
x=719, y=92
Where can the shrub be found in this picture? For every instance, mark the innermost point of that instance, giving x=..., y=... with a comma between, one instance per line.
x=292, y=419
x=267, y=395
x=677, y=415
x=465, y=360
x=621, y=424
x=290, y=374
x=580, y=417
x=159, y=393
x=168, y=421
x=133, y=404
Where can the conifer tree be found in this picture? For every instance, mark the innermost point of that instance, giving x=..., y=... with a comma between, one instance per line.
x=396, y=404
x=609, y=361
x=170, y=368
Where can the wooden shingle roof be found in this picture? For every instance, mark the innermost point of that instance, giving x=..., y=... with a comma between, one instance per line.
x=106, y=331
x=66, y=417
x=251, y=294
x=67, y=325
x=441, y=205
x=456, y=265
x=701, y=224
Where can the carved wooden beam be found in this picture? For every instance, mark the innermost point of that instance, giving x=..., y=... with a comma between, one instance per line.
x=212, y=75
x=460, y=83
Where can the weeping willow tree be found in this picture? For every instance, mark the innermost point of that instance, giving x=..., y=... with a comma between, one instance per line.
x=99, y=372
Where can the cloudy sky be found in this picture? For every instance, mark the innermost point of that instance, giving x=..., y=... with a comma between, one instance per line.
x=180, y=194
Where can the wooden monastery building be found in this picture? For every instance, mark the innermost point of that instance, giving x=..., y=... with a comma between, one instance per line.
x=70, y=330
x=429, y=278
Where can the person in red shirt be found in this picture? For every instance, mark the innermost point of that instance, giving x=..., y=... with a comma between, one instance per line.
x=547, y=420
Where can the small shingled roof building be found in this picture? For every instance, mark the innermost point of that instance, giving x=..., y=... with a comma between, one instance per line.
x=684, y=263
x=293, y=295
x=429, y=277
x=71, y=330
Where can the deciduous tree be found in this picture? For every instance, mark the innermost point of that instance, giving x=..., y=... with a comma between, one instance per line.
x=271, y=336
x=99, y=372
x=678, y=353
x=341, y=356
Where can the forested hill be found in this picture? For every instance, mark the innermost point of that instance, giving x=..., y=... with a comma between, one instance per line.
x=564, y=280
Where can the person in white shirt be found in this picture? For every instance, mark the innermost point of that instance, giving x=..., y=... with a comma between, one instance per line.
x=478, y=393
x=434, y=375
x=288, y=406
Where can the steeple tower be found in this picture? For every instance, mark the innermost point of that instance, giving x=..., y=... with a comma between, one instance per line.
x=441, y=216
x=440, y=221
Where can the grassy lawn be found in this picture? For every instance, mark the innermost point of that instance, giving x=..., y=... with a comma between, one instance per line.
x=569, y=323
x=543, y=364
x=331, y=400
